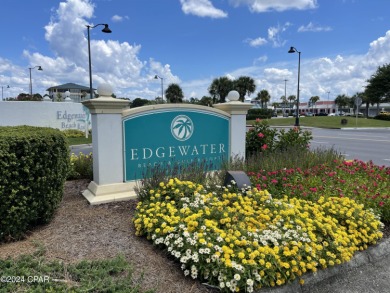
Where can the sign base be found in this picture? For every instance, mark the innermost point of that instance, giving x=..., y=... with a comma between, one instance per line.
x=99, y=194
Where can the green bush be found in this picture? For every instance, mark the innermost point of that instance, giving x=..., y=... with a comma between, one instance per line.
x=259, y=114
x=34, y=163
x=81, y=167
x=262, y=138
x=73, y=133
x=383, y=117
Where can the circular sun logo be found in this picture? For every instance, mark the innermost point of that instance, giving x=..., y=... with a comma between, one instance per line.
x=182, y=127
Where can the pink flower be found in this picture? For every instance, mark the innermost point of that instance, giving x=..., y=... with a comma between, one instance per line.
x=274, y=181
x=314, y=189
x=260, y=135
x=381, y=204
x=258, y=119
x=264, y=147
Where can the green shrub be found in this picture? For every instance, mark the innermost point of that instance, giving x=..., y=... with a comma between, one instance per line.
x=259, y=114
x=81, y=167
x=262, y=138
x=73, y=133
x=34, y=163
x=383, y=117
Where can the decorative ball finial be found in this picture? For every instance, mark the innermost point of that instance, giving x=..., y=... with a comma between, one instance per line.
x=104, y=90
x=233, y=96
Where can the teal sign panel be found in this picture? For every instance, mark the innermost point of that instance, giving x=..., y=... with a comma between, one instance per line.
x=173, y=137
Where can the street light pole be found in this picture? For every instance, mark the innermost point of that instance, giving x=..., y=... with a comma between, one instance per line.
x=2, y=97
x=105, y=30
x=327, y=105
x=294, y=50
x=285, y=95
x=162, y=86
x=30, y=68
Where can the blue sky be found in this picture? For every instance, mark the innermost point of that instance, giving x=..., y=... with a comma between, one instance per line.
x=191, y=42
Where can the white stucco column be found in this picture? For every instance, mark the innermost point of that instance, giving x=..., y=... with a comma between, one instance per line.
x=107, y=148
x=238, y=111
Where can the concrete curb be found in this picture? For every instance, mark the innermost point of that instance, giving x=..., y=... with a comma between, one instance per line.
x=361, y=258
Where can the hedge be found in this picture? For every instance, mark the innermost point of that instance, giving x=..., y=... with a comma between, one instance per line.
x=34, y=162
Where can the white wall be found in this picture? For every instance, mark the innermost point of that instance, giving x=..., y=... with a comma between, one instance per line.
x=45, y=114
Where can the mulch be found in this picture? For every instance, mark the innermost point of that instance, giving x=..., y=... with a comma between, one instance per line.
x=80, y=231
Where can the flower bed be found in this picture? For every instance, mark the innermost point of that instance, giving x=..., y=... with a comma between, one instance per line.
x=244, y=240
x=366, y=183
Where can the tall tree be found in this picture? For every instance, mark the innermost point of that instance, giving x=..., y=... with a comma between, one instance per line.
x=206, y=101
x=264, y=97
x=292, y=99
x=219, y=89
x=342, y=101
x=174, y=93
x=284, y=102
x=378, y=88
x=245, y=85
x=138, y=102
x=313, y=100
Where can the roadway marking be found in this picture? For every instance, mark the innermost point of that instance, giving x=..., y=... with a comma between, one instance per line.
x=349, y=134
x=320, y=142
x=377, y=140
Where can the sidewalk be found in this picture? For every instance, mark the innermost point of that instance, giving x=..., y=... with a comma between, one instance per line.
x=367, y=272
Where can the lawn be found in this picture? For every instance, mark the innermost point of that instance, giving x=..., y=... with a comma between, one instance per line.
x=79, y=140
x=327, y=122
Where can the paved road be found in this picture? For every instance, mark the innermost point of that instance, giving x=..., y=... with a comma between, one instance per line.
x=363, y=144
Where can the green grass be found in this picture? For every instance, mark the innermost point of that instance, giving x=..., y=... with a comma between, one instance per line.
x=31, y=273
x=327, y=122
x=79, y=140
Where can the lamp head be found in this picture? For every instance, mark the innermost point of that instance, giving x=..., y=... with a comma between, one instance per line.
x=292, y=50
x=106, y=29
x=39, y=68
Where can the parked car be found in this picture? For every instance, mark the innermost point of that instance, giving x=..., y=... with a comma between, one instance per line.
x=321, y=114
x=309, y=114
x=333, y=114
x=353, y=114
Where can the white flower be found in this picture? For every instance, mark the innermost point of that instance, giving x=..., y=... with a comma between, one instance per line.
x=249, y=282
x=221, y=285
x=186, y=272
x=237, y=277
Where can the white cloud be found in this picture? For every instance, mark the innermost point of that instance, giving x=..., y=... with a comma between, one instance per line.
x=112, y=61
x=274, y=34
x=260, y=59
x=202, y=8
x=311, y=27
x=118, y=18
x=276, y=5
x=258, y=42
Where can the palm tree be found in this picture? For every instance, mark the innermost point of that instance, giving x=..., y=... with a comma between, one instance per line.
x=219, y=89
x=313, y=100
x=292, y=99
x=342, y=101
x=284, y=102
x=245, y=85
x=264, y=97
x=174, y=93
